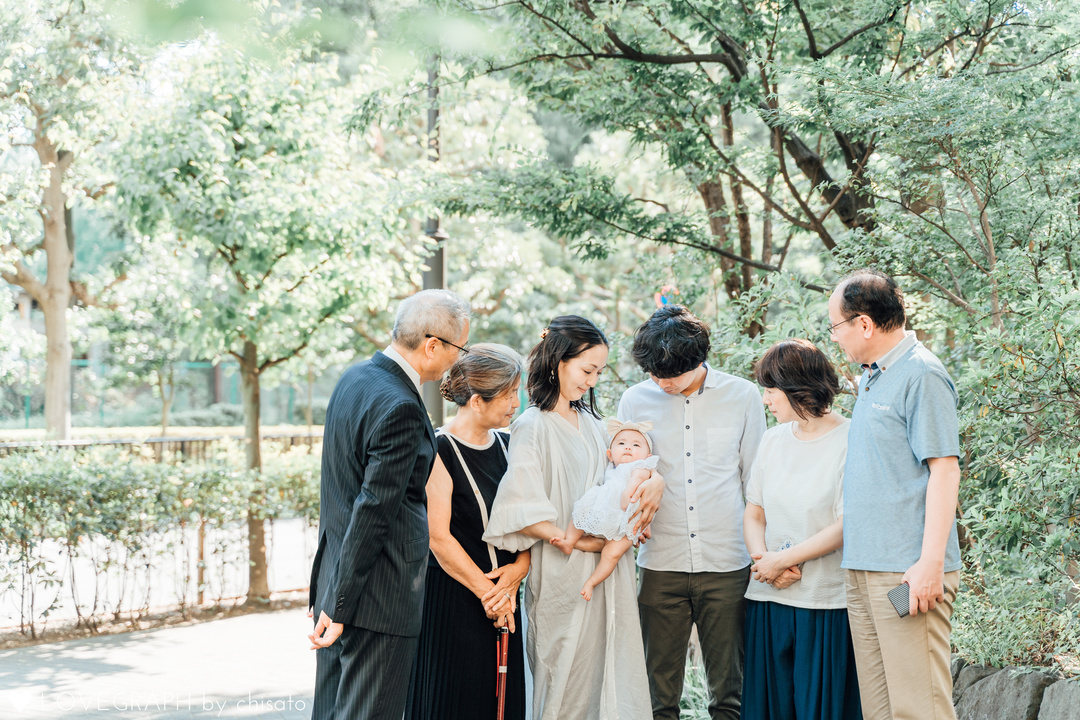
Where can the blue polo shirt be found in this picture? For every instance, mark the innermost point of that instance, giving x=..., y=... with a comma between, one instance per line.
x=905, y=414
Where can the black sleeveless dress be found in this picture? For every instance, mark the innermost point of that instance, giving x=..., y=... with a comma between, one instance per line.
x=454, y=674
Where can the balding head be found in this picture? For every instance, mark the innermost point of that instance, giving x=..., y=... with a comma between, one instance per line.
x=874, y=294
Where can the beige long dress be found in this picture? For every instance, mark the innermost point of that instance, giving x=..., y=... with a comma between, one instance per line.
x=587, y=659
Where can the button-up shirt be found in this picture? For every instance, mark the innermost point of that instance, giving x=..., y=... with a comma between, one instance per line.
x=397, y=357
x=706, y=443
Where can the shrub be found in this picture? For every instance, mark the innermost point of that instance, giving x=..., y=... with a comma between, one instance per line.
x=217, y=415
x=123, y=512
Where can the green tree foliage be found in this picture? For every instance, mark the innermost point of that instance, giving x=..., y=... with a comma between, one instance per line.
x=935, y=140
x=60, y=70
x=982, y=215
x=250, y=165
x=150, y=319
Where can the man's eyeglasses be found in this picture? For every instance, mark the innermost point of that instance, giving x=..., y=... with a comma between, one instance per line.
x=830, y=329
x=465, y=350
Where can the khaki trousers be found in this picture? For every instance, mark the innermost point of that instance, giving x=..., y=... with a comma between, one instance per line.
x=903, y=663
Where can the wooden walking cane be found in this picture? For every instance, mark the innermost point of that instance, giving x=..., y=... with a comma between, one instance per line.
x=502, y=647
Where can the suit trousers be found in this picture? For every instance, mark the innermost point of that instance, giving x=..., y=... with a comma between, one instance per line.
x=903, y=663
x=363, y=676
x=670, y=604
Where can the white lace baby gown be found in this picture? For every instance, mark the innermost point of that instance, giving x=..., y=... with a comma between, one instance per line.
x=599, y=511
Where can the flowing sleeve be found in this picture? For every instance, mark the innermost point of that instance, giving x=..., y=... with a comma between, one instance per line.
x=522, y=498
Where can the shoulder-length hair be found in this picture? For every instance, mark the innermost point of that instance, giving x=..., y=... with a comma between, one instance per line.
x=802, y=372
x=566, y=337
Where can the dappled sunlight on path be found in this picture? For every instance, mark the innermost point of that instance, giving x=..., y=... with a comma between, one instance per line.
x=254, y=666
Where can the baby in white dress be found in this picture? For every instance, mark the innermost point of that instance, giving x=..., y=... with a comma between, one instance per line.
x=605, y=510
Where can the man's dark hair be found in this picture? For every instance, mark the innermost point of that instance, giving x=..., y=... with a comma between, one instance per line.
x=671, y=343
x=803, y=373
x=567, y=336
x=876, y=295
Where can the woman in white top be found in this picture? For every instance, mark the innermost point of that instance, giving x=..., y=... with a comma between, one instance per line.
x=587, y=658
x=799, y=660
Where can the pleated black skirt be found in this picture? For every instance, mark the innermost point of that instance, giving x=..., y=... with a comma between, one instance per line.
x=454, y=674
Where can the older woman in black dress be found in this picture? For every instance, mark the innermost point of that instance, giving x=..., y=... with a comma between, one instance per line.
x=472, y=587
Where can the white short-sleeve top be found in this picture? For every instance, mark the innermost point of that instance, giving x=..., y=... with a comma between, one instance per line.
x=800, y=486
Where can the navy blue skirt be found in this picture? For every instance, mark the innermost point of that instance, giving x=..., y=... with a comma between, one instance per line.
x=799, y=664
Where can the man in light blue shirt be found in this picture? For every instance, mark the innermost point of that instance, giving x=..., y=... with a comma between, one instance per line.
x=901, y=484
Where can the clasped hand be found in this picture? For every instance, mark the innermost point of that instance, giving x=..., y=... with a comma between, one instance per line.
x=773, y=568
x=500, y=602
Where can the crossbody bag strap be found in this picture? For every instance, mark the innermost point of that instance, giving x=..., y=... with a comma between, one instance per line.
x=476, y=490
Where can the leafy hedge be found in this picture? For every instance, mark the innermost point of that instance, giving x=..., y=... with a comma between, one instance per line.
x=124, y=514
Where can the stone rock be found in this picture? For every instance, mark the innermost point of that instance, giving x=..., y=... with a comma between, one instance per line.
x=1061, y=701
x=1004, y=696
x=958, y=664
x=968, y=676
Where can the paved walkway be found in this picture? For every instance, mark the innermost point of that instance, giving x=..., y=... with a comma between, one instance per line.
x=254, y=666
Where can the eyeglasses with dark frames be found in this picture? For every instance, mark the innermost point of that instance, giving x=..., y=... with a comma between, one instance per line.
x=465, y=350
x=829, y=330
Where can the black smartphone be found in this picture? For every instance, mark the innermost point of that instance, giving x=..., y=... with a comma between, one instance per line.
x=899, y=596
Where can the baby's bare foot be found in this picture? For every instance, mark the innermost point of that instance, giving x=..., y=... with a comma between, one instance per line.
x=586, y=592
x=562, y=544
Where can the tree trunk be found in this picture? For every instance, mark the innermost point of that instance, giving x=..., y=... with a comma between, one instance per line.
x=712, y=194
x=57, y=291
x=57, y=369
x=309, y=411
x=742, y=216
x=166, y=399
x=258, y=580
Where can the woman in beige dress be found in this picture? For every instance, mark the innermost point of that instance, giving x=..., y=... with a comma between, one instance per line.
x=586, y=658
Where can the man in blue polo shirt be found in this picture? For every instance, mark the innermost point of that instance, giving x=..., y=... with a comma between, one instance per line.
x=900, y=498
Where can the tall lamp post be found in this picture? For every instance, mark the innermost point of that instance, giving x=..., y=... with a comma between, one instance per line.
x=435, y=275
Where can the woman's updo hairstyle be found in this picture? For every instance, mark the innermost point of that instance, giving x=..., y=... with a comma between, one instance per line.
x=487, y=370
x=565, y=337
x=803, y=373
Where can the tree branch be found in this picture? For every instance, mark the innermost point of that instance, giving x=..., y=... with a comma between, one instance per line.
x=816, y=226
x=949, y=295
x=855, y=33
x=734, y=64
x=557, y=24
x=267, y=364
x=23, y=278
x=99, y=192
x=811, y=42
x=734, y=171
x=83, y=294
x=706, y=247
x=1037, y=62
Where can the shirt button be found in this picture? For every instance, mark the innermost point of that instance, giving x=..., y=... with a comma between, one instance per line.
x=687, y=454
x=689, y=481
x=687, y=402
x=691, y=507
x=693, y=535
x=687, y=427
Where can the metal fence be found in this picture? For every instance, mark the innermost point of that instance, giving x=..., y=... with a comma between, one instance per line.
x=177, y=448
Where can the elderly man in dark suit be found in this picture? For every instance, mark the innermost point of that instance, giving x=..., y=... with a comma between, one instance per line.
x=367, y=582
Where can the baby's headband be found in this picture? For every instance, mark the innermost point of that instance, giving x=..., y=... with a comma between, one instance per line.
x=616, y=426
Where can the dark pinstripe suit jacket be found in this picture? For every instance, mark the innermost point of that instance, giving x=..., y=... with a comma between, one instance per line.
x=378, y=449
